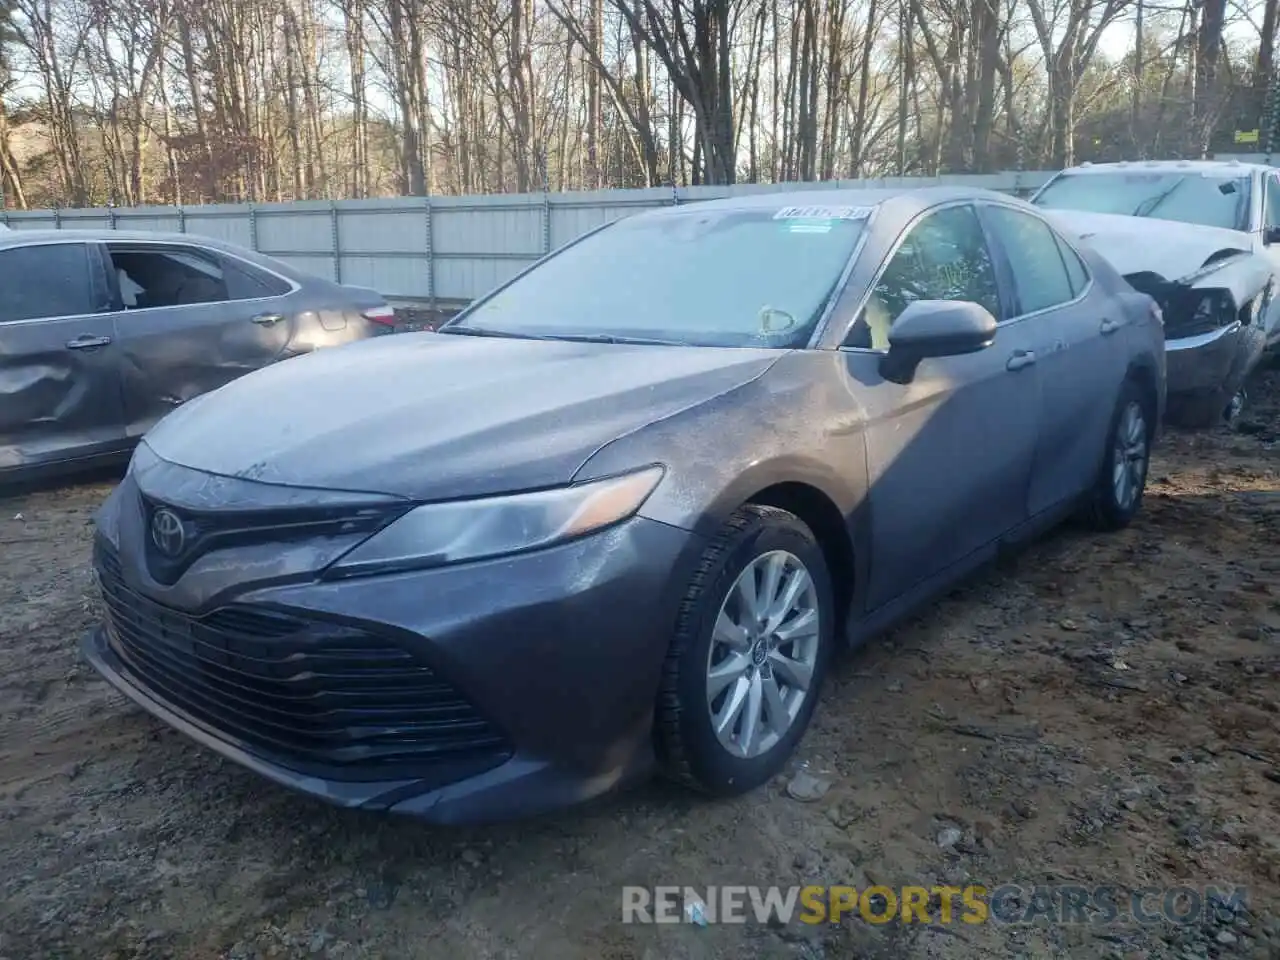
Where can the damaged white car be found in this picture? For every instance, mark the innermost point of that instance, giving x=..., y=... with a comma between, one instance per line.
x=1203, y=239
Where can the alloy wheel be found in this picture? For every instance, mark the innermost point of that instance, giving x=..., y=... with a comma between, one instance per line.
x=1129, y=462
x=1236, y=407
x=763, y=653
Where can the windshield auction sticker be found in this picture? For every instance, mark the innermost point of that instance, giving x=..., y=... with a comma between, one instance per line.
x=823, y=213
x=810, y=226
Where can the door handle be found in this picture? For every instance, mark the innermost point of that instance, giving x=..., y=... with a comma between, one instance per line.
x=1109, y=326
x=87, y=342
x=1020, y=359
x=267, y=319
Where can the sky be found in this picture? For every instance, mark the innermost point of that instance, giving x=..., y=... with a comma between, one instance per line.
x=1117, y=40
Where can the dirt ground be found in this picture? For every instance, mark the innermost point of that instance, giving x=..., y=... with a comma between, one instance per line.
x=1098, y=710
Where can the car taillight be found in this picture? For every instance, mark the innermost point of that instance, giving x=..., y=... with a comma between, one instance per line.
x=383, y=316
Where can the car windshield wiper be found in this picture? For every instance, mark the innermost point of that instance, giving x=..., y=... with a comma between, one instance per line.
x=575, y=337
x=488, y=332
x=614, y=338
x=1148, y=206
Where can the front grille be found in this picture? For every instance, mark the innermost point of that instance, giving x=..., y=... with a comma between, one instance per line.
x=314, y=696
x=206, y=530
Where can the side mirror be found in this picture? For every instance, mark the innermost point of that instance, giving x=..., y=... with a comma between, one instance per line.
x=935, y=328
x=1270, y=235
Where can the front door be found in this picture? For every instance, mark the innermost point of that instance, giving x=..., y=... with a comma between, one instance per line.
x=1080, y=339
x=185, y=328
x=949, y=454
x=59, y=366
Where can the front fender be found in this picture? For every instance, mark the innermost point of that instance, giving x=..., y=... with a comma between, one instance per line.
x=799, y=423
x=713, y=503
x=1243, y=276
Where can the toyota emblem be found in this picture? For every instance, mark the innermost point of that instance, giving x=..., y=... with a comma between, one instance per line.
x=167, y=532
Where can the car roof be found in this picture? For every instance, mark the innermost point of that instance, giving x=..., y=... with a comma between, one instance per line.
x=1224, y=167
x=765, y=200
x=859, y=197
x=19, y=238
x=919, y=198
x=13, y=238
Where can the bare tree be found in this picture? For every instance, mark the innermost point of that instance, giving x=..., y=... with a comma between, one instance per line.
x=10, y=174
x=142, y=101
x=1069, y=32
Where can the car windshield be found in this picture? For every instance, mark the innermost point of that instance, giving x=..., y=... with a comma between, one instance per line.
x=1209, y=200
x=714, y=277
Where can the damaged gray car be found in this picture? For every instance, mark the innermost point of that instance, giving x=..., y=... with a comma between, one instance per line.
x=103, y=333
x=1201, y=239
x=614, y=518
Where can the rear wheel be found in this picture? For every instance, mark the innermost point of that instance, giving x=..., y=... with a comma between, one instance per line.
x=751, y=648
x=1117, y=492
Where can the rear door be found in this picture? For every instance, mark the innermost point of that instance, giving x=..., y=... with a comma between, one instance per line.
x=189, y=320
x=59, y=369
x=1081, y=347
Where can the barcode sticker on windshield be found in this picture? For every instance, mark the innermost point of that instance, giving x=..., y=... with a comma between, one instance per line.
x=809, y=226
x=823, y=213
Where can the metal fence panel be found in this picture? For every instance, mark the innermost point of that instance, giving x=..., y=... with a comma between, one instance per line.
x=233, y=223
x=147, y=218
x=438, y=248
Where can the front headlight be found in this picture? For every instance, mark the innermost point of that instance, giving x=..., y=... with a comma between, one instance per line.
x=437, y=534
x=1213, y=309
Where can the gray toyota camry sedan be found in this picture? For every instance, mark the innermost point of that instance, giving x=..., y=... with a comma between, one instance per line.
x=620, y=513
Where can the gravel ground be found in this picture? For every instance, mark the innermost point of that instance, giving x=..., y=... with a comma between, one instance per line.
x=1097, y=709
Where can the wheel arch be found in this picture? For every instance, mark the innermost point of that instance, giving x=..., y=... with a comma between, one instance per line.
x=1142, y=372
x=818, y=511
x=834, y=506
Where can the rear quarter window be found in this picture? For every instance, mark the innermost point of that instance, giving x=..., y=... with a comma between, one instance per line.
x=245, y=282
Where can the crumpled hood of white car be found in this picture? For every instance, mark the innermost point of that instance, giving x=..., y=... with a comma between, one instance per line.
x=1136, y=244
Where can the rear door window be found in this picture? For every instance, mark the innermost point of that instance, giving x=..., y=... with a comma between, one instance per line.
x=1039, y=272
x=151, y=277
x=44, y=281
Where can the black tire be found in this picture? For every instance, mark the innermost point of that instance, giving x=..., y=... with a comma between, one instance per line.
x=688, y=749
x=1203, y=411
x=1105, y=511
x=1219, y=407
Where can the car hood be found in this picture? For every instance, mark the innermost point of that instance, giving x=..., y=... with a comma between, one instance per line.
x=432, y=416
x=1139, y=244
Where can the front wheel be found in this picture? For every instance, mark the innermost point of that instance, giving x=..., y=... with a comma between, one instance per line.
x=752, y=643
x=1204, y=411
x=1117, y=493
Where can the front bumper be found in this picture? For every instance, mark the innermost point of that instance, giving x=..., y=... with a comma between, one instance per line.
x=1218, y=360
x=542, y=670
